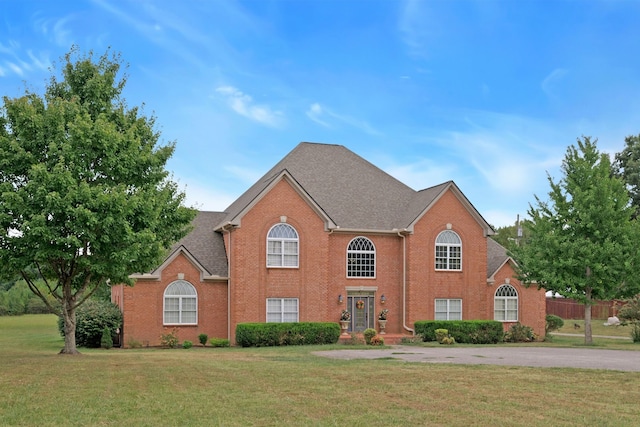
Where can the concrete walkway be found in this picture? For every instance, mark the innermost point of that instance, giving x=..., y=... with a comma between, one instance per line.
x=540, y=357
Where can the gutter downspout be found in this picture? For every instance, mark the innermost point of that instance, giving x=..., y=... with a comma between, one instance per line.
x=404, y=282
x=228, y=281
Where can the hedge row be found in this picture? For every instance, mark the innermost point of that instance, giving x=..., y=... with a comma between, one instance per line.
x=464, y=331
x=275, y=334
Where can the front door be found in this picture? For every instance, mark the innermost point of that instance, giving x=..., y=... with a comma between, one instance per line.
x=361, y=306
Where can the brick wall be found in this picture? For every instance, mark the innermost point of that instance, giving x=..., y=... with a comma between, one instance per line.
x=143, y=306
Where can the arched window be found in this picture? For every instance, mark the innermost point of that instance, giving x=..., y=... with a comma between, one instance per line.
x=448, y=251
x=282, y=246
x=505, y=304
x=361, y=258
x=180, y=304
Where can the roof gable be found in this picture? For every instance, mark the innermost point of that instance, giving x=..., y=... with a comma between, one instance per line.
x=347, y=191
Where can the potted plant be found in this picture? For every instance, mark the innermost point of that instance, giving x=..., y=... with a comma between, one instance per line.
x=382, y=320
x=345, y=319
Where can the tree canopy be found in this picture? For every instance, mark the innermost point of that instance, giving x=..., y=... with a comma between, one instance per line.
x=583, y=242
x=627, y=167
x=86, y=199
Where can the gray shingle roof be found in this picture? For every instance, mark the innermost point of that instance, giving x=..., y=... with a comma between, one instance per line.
x=205, y=244
x=352, y=192
x=496, y=256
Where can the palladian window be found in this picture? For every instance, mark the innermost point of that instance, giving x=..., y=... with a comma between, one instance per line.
x=282, y=246
x=448, y=251
x=180, y=304
x=361, y=258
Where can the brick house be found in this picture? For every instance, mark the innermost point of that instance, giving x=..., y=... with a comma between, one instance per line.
x=323, y=231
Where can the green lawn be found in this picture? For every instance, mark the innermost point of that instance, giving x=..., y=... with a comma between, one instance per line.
x=288, y=386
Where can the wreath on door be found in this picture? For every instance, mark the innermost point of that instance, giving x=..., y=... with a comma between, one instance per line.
x=360, y=304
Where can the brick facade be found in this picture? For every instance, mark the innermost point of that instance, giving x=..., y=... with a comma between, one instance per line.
x=321, y=275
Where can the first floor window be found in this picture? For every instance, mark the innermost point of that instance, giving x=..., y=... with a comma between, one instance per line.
x=282, y=310
x=448, y=309
x=180, y=304
x=505, y=304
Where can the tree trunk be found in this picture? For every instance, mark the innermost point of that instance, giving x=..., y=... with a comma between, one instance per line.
x=588, y=339
x=69, y=316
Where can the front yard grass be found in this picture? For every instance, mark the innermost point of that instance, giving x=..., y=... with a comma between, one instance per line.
x=287, y=386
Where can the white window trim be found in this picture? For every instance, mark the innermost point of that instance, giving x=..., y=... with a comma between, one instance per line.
x=282, y=254
x=448, y=300
x=506, y=298
x=374, y=252
x=448, y=246
x=180, y=298
x=282, y=312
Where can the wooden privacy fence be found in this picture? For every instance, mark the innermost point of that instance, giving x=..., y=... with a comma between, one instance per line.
x=569, y=309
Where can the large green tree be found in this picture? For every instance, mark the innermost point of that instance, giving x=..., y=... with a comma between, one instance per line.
x=627, y=166
x=583, y=244
x=86, y=199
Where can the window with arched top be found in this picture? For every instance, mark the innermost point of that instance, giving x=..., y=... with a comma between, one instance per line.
x=361, y=258
x=180, y=304
x=282, y=246
x=448, y=251
x=505, y=304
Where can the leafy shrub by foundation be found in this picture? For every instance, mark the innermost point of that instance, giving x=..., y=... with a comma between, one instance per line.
x=169, y=339
x=519, y=333
x=463, y=331
x=276, y=334
x=368, y=334
x=203, y=339
x=187, y=344
x=441, y=334
x=376, y=340
x=92, y=317
x=219, y=342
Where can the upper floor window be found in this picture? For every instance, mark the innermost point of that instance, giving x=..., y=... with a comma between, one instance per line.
x=282, y=310
x=448, y=251
x=505, y=304
x=282, y=246
x=180, y=304
x=361, y=258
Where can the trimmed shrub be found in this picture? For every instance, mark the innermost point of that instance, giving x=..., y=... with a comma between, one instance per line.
x=187, y=344
x=106, y=341
x=553, y=323
x=441, y=334
x=276, y=334
x=463, y=331
x=219, y=342
x=92, y=317
x=368, y=334
x=203, y=339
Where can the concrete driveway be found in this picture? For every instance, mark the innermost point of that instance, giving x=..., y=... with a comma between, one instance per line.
x=540, y=357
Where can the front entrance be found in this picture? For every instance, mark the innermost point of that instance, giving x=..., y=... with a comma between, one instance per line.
x=361, y=306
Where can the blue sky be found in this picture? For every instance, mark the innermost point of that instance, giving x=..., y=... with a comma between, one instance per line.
x=486, y=93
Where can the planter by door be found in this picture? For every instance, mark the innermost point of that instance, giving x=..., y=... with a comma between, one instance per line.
x=344, y=325
x=383, y=325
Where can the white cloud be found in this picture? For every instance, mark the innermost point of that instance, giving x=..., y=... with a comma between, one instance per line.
x=317, y=113
x=422, y=174
x=206, y=198
x=550, y=82
x=244, y=105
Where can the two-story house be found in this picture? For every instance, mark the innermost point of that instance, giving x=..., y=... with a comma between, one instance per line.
x=323, y=231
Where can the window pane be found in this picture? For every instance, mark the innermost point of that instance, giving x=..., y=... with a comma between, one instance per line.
x=290, y=260
x=188, y=304
x=274, y=260
x=171, y=304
